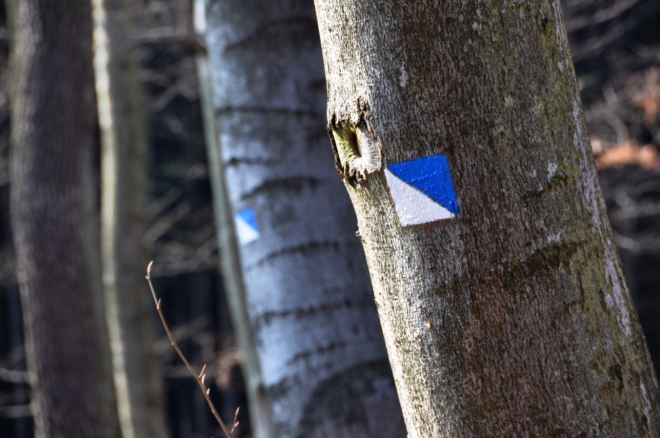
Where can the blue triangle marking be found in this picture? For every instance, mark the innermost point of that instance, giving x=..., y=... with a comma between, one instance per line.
x=249, y=215
x=432, y=177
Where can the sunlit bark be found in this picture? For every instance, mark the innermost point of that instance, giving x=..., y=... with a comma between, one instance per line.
x=512, y=318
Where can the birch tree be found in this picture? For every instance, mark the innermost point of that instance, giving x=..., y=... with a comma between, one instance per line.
x=260, y=409
x=321, y=353
x=52, y=134
x=138, y=382
x=459, y=134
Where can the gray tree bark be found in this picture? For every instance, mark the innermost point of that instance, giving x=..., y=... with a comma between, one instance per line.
x=52, y=137
x=129, y=310
x=310, y=303
x=512, y=318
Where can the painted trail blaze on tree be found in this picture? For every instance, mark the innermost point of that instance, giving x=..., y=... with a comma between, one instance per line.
x=422, y=190
x=247, y=225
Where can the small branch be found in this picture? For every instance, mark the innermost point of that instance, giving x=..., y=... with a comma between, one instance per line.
x=199, y=377
x=12, y=376
x=166, y=222
x=594, y=46
x=599, y=16
x=20, y=411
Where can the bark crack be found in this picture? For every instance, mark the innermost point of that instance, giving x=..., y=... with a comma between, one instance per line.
x=274, y=185
x=303, y=24
x=549, y=257
x=303, y=249
x=302, y=112
x=305, y=312
x=251, y=161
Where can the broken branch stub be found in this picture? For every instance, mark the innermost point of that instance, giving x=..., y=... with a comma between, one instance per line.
x=357, y=148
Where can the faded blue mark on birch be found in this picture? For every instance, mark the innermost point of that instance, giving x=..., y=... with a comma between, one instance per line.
x=247, y=225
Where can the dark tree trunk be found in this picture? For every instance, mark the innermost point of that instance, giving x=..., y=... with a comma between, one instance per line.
x=511, y=316
x=52, y=127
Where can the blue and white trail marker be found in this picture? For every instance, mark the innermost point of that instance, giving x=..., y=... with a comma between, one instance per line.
x=422, y=190
x=247, y=226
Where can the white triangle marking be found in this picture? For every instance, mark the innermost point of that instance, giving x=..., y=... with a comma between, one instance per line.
x=412, y=206
x=245, y=232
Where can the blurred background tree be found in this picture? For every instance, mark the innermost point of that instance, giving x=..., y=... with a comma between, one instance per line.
x=316, y=332
x=123, y=221
x=66, y=345
x=616, y=46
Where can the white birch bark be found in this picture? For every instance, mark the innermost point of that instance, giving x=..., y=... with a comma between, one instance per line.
x=311, y=308
x=230, y=263
x=512, y=318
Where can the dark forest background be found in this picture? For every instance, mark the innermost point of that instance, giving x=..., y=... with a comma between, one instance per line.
x=616, y=51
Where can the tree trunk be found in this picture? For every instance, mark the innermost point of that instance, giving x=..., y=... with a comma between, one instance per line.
x=311, y=307
x=232, y=276
x=138, y=381
x=52, y=130
x=510, y=317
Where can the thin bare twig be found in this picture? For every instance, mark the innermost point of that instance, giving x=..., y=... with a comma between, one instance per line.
x=198, y=377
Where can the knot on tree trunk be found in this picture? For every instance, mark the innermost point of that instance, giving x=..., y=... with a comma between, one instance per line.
x=356, y=146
